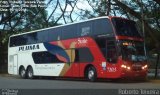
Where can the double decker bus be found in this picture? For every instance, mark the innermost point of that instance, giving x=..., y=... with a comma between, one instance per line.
x=104, y=47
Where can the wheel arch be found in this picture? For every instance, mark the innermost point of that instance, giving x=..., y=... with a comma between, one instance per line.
x=29, y=66
x=86, y=69
x=20, y=67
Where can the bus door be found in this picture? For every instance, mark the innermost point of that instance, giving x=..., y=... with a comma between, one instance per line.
x=81, y=58
x=111, y=57
x=15, y=64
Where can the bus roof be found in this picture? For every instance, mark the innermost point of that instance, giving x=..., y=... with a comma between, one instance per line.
x=60, y=26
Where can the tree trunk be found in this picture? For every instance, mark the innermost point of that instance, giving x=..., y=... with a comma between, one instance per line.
x=108, y=7
x=0, y=52
x=156, y=67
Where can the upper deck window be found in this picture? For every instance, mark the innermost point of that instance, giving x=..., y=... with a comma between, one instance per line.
x=102, y=26
x=125, y=27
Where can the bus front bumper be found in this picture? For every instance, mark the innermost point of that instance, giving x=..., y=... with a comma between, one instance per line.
x=134, y=74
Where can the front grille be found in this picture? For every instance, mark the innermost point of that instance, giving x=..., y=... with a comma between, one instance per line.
x=136, y=68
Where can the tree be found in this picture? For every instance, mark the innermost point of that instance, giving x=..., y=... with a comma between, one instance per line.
x=13, y=22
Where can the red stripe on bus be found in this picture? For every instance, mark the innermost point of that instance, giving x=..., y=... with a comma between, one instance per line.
x=128, y=38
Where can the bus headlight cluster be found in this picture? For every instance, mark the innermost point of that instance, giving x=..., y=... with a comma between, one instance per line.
x=123, y=66
x=126, y=67
x=145, y=66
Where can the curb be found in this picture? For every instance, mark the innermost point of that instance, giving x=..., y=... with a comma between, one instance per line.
x=5, y=75
x=8, y=75
x=155, y=81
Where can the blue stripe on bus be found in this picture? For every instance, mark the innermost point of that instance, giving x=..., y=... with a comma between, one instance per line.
x=54, y=49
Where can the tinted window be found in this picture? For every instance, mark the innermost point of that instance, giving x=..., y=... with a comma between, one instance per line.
x=11, y=44
x=101, y=42
x=53, y=34
x=132, y=50
x=85, y=28
x=111, y=50
x=44, y=57
x=69, y=31
x=83, y=55
x=17, y=41
x=125, y=27
x=102, y=26
x=108, y=48
x=25, y=39
x=31, y=38
x=42, y=36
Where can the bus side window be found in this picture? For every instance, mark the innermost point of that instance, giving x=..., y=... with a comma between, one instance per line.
x=111, y=51
x=45, y=57
x=83, y=55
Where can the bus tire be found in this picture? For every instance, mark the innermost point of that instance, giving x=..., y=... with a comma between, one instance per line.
x=22, y=72
x=91, y=74
x=30, y=73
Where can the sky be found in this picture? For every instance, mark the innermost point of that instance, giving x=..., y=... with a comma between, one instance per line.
x=82, y=4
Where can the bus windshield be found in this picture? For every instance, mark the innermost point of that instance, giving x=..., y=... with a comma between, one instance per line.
x=125, y=27
x=133, y=50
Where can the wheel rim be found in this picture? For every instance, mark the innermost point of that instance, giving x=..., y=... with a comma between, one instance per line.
x=22, y=73
x=90, y=74
x=30, y=74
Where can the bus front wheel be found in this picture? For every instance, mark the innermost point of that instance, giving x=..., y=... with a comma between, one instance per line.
x=22, y=73
x=30, y=73
x=91, y=74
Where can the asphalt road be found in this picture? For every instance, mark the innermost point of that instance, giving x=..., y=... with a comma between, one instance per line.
x=12, y=82
x=16, y=82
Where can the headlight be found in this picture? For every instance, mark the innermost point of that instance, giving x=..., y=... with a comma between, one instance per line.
x=126, y=67
x=145, y=66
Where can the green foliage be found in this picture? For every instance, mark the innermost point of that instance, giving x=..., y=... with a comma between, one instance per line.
x=14, y=22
